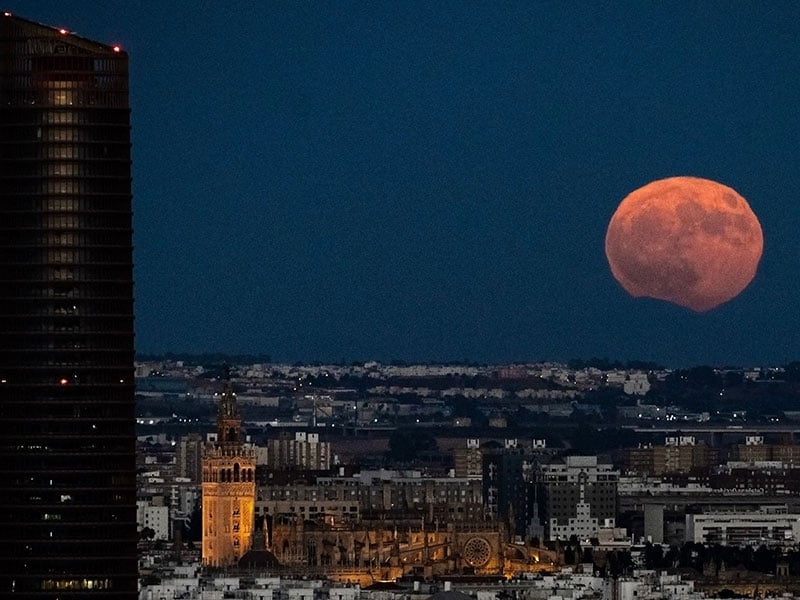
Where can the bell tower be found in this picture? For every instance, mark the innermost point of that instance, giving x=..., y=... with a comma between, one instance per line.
x=229, y=423
x=229, y=490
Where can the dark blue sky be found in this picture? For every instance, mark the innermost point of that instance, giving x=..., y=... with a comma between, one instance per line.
x=433, y=180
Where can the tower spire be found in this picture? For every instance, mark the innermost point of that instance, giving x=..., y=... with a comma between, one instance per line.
x=229, y=422
x=228, y=486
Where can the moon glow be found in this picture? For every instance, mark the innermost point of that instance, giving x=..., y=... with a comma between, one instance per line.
x=690, y=241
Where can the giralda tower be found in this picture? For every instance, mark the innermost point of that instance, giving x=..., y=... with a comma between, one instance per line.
x=67, y=438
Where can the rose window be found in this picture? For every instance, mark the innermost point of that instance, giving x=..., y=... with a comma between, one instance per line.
x=477, y=552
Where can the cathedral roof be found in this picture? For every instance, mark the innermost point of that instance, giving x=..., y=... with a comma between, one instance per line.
x=258, y=559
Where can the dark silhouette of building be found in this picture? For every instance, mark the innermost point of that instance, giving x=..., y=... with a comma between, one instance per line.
x=507, y=486
x=189, y=457
x=67, y=438
x=577, y=496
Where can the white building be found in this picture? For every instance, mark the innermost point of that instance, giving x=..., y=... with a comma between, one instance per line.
x=636, y=384
x=153, y=517
x=305, y=451
x=576, y=496
x=753, y=528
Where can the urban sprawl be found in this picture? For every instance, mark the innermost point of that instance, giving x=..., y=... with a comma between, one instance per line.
x=548, y=481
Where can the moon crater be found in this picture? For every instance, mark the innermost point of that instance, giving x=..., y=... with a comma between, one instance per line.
x=690, y=241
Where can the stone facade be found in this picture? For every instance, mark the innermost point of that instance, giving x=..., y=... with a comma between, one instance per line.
x=229, y=489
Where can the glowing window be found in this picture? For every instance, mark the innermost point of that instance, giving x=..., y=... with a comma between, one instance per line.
x=59, y=97
x=61, y=134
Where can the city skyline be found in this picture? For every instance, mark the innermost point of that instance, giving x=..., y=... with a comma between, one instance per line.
x=434, y=181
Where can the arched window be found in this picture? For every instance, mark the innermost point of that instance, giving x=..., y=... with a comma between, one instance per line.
x=236, y=472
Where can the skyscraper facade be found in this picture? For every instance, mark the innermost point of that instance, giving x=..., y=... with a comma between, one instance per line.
x=67, y=439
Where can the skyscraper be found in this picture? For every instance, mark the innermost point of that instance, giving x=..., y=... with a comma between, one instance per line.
x=67, y=438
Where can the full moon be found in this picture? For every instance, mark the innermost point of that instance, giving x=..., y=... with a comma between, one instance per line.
x=690, y=241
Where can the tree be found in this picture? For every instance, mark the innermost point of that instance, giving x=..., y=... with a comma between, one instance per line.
x=733, y=378
x=764, y=560
x=791, y=371
x=653, y=556
x=467, y=407
x=672, y=557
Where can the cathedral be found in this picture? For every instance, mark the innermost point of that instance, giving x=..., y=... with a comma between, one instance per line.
x=229, y=489
x=236, y=536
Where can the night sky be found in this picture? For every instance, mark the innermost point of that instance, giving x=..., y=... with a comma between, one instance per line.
x=327, y=181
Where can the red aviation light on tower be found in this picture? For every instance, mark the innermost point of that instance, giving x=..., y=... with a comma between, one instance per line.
x=64, y=381
x=117, y=48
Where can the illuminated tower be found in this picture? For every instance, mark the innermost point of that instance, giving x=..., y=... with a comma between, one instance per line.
x=67, y=438
x=229, y=489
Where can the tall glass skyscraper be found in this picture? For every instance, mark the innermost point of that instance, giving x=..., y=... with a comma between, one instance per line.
x=67, y=439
